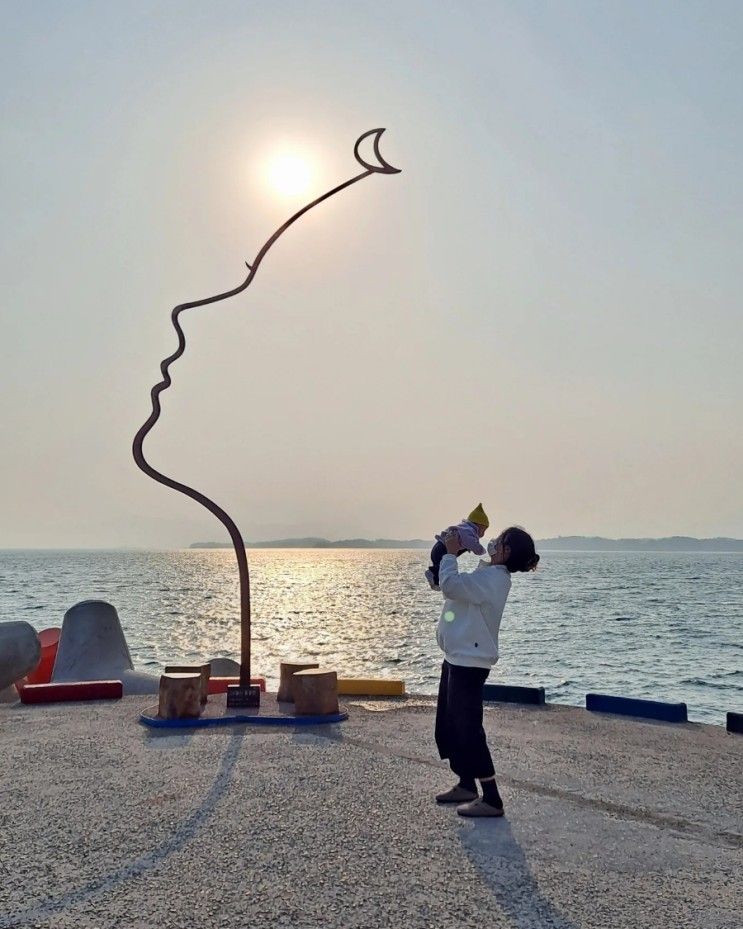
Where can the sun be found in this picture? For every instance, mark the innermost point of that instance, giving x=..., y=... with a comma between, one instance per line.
x=289, y=174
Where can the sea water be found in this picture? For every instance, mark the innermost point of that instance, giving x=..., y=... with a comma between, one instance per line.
x=665, y=626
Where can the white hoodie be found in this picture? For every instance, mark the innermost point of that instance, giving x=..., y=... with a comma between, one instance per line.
x=468, y=628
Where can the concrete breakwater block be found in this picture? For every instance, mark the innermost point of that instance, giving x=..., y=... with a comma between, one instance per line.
x=631, y=706
x=505, y=693
x=63, y=693
x=224, y=667
x=92, y=647
x=9, y=695
x=734, y=722
x=20, y=651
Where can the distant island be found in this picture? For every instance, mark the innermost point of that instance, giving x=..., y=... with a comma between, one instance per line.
x=674, y=543
x=565, y=543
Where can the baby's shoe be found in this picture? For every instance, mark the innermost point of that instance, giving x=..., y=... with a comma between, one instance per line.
x=431, y=582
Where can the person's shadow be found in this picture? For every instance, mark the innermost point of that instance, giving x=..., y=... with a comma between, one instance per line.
x=493, y=849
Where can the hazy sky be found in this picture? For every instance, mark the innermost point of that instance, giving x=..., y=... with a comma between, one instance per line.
x=542, y=312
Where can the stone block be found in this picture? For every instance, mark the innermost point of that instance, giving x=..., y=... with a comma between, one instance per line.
x=20, y=651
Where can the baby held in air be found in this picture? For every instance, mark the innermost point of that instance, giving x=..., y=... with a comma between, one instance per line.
x=470, y=531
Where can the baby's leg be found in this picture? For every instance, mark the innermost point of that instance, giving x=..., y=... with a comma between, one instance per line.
x=437, y=553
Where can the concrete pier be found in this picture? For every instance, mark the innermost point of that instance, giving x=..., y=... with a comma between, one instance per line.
x=609, y=822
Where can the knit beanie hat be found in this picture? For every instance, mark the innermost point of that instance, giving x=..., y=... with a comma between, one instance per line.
x=478, y=516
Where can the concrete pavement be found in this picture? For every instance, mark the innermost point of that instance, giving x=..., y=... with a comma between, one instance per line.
x=609, y=823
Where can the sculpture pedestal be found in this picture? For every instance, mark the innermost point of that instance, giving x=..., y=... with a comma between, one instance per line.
x=217, y=713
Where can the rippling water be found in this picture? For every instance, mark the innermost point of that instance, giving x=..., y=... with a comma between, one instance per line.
x=662, y=625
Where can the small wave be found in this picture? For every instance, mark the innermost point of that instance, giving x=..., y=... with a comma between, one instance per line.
x=700, y=682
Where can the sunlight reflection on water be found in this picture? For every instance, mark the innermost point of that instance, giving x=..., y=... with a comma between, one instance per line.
x=666, y=626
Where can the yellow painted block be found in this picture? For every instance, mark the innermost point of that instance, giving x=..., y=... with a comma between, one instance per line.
x=370, y=687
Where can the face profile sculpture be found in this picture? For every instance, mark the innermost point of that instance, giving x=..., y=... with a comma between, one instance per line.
x=243, y=694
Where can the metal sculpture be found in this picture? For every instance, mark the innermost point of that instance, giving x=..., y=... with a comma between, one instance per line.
x=244, y=694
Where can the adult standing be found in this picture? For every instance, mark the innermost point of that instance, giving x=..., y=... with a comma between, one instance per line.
x=468, y=635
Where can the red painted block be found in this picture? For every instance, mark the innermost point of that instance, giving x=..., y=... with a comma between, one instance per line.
x=42, y=673
x=218, y=685
x=81, y=690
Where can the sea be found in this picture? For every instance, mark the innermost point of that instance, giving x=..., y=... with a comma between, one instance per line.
x=661, y=625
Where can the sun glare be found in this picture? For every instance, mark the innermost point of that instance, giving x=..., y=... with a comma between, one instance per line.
x=289, y=174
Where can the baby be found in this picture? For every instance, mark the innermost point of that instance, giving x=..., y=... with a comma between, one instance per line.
x=470, y=530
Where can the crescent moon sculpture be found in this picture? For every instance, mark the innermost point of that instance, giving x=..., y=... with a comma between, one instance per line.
x=382, y=167
x=247, y=696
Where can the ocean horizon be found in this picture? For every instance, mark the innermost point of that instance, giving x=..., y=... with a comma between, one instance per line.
x=567, y=543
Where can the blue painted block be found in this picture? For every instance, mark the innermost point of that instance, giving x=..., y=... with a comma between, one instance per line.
x=504, y=693
x=630, y=706
x=735, y=722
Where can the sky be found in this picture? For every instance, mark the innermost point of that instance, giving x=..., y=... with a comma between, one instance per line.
x=542, y=312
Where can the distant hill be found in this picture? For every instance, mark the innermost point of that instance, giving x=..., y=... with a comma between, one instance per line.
x=675, y=543
x=566, y=543
x=313, y=542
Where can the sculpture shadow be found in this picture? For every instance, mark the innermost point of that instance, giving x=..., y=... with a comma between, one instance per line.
x=182, y=833
x=495, y=852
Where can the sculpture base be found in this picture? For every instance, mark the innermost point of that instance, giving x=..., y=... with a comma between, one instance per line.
x=246, y=697
x=217, y=713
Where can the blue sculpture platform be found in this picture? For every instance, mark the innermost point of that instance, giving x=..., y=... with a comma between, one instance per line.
x=217, y=713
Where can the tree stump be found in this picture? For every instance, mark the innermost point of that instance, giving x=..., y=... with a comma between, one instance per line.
x=204, y=670
x=288, y=669
x=315, y=692
x=180, y=696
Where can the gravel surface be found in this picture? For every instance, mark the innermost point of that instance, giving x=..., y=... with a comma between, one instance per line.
x=610, y=823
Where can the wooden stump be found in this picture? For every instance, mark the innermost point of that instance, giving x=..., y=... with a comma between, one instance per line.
x=315, y=692
x=288, y=669
x=204, y=670
x=180, y=696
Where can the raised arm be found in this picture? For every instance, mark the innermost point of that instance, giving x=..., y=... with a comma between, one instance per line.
x=456, y=586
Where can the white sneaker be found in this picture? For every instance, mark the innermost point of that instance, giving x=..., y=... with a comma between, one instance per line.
x=429, y=578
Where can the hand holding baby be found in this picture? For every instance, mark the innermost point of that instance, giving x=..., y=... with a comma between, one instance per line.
x=452, y=541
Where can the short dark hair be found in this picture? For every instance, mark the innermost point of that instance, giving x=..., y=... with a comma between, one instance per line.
x=522, y=555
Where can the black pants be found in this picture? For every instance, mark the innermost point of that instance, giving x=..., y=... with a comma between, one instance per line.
x=437, y=553
x=460, y=736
